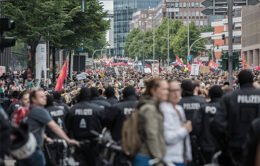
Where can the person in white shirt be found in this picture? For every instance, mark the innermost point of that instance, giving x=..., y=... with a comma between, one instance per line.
x=176, y=129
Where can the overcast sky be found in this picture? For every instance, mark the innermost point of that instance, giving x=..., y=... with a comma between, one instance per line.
x=108, y=4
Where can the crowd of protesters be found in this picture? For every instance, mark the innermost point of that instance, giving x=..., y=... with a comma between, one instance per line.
x=183, y=120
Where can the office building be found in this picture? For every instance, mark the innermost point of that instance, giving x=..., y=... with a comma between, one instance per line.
x=147, y=19
x=109, y=8
x=123, y=14
x=251, y=35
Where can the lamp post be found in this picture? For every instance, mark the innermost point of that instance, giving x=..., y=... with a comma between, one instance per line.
x=168, y=39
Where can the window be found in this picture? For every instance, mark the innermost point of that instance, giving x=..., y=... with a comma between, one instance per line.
x=197, y=13
x=176, y=4
x=192, y=4
x=180, y=5
x=197, y=4
x=201, y=23
x=184, y=4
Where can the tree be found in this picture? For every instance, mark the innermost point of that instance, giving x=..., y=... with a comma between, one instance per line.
x=180, y=42
x=59, y=21
x=139, y=42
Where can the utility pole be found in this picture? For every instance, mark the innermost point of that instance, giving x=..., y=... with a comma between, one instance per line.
x=168, y=41
x=188, y=16
x=230, y=41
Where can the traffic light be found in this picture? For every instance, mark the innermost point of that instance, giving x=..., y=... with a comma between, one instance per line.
x=223, y=37
x=6, y=25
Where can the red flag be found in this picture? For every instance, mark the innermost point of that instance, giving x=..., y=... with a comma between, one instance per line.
x=62, y=77
x=212, y=64
x=178, y=61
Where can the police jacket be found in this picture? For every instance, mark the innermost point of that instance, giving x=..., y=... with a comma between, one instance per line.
x=82, y=118
x=238, y=110
x=252, y=144
x=5, y=131
x=201, y=125
x=101, y=102
x=191, y=104
x=118, y=113
x=58, y=113
x=112, y=100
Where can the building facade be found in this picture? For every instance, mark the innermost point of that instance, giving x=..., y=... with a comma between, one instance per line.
x=123, y=14
x=186, y=11
x=147, y=19
x=108, y=7
x=251, y=34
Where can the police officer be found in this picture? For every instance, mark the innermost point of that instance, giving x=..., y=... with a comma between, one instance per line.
x=192, y=104
x=57, y=112
x=238, y=109
x=201, y=123
x=110, y=94
x=5, y=131
x=189, y=102
x=81, y=119
x=120, y=111
x=97, y=99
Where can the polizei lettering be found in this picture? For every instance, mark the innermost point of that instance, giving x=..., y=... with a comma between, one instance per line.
x=85, y=112
x=191, y=106
x=248, y=99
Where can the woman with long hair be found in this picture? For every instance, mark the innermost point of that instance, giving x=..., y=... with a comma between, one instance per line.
x=150, y=123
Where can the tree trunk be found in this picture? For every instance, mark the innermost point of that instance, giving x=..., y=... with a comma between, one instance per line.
x=31, y=57
x=69, y=65
x=53, y=64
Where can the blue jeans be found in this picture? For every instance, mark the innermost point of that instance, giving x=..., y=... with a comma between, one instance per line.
x=37, y=158
x=179, y=164
x=141, y=160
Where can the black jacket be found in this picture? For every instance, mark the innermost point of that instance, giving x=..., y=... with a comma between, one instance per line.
x=82, y=118
x=117, y=115
x=112, y=100
x=58, y=113
x=5, y=131
x=101, y=102
x=238, y=110
x=201, y=125
x=191, y=104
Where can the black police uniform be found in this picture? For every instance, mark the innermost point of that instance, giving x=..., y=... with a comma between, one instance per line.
x=112, y=100
x=118, y=113
x=251, y=151
x=201, y=128
x=101, y=102
x=192, y=104
x=58, y=113
x=81, y=119
x=5, y=131
x=232, y=122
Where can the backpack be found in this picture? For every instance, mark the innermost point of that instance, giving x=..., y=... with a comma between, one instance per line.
x=131, y=135
x=18, y=115
x=131, y=141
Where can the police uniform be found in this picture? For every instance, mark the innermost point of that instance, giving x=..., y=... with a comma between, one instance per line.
x=58, y=113
x=81, y=119
x=118, y=113
x=192, y=104
x=5, y=131
x=238, y=110
x=201, y=128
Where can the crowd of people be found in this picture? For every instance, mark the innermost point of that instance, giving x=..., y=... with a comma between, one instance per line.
x=180, y=120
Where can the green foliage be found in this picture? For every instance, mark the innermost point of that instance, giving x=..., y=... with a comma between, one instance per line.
x=61, y=22
x=139, y=42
